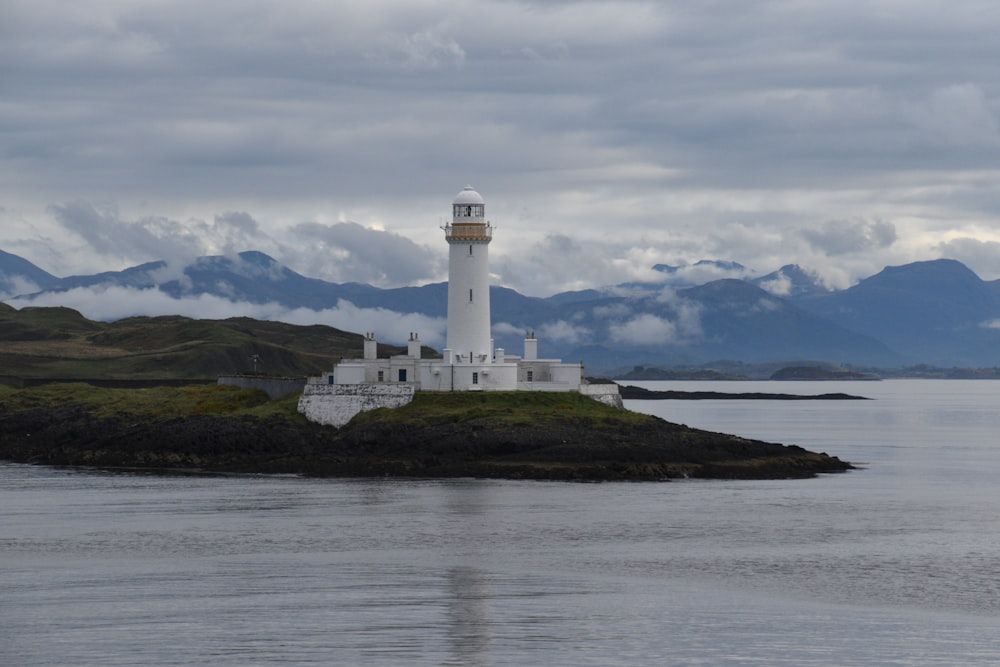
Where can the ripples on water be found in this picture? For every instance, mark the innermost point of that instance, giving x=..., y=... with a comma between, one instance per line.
x=895, y=564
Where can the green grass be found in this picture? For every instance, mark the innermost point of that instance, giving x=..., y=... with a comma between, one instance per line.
x=427, y=408
x=286, y=407
x=501, y=407
x=156, y=403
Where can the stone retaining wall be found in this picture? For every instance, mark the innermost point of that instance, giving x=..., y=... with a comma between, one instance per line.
x=603, y=393
x=336, y=404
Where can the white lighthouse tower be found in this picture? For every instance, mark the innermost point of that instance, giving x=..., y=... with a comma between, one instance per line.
x=469, y=235
x=469, y=361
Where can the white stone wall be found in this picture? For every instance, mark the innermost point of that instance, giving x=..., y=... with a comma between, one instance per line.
x=336, y=404
x=536, y=385
x=570, y=373
x=604, y=393
x=349, y=372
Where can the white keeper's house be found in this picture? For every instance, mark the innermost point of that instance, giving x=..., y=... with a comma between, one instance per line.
x=469, y=363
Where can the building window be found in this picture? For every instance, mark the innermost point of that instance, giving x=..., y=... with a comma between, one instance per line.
x=466, y=211
x=531, y=375
x=475, y=378
x=402, y=375
x=381, y=376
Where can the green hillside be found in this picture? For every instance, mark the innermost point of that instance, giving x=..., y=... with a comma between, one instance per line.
x=47, y=343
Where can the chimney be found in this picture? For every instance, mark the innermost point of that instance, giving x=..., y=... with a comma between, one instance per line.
x=530, y=347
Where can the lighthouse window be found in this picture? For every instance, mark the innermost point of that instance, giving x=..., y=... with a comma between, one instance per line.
x=470, y=295
x=466, y=211
x=470, y=251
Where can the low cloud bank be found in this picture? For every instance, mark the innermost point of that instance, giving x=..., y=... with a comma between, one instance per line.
x=112, y=303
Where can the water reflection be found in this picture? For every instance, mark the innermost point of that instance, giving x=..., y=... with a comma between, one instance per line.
x=468, y=616
x=469, y=627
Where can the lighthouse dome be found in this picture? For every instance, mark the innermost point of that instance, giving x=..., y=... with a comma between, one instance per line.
x=469, y=196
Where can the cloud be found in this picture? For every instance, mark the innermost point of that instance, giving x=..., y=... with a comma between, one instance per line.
x=780, y=285
x=114, y=303
x=564, y=332
x=347, y=251
x=645, y=329
x=703, y=271
x=687, y=313
x=982, y=256
x=507, y=329
x=424, y=49
x=13, y=285
x=553, y=264
x=119, y=241
x=605, y=141
x=766, y=306
x=108, y=235
x=838, y=237
x=958, y=115
x=614, y=310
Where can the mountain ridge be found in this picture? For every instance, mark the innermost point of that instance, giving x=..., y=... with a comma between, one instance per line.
x=936, y=312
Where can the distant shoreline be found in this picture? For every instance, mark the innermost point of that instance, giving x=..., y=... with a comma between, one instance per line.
x=631, y=392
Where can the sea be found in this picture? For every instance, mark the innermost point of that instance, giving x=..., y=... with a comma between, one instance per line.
x=894, y=563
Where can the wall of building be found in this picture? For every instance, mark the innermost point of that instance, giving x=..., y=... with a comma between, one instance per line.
x=550, y=373
x=336, y=404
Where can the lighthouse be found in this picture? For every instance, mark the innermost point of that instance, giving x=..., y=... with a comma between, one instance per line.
x=468, y=235
x=469, y=362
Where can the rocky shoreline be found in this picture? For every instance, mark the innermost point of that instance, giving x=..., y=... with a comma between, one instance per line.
x=560, y=448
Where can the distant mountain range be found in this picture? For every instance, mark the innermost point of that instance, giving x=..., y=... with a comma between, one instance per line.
x=936, y=312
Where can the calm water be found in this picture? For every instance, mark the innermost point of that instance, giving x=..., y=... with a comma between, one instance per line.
x=894, y=564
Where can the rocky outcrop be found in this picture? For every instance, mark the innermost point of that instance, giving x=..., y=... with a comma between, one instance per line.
x=585, y=449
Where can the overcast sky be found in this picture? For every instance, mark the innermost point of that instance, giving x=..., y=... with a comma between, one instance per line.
x=605, y=137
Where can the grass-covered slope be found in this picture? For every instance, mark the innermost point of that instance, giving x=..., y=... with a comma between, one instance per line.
x=41, y=343
x=504, y=435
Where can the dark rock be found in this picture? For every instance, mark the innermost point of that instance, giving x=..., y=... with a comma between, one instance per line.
x=561, y=449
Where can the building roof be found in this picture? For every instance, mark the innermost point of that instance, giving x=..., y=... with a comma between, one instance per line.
x=469, y=196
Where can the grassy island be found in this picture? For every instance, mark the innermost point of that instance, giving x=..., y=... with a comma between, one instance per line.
x=518, y=435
